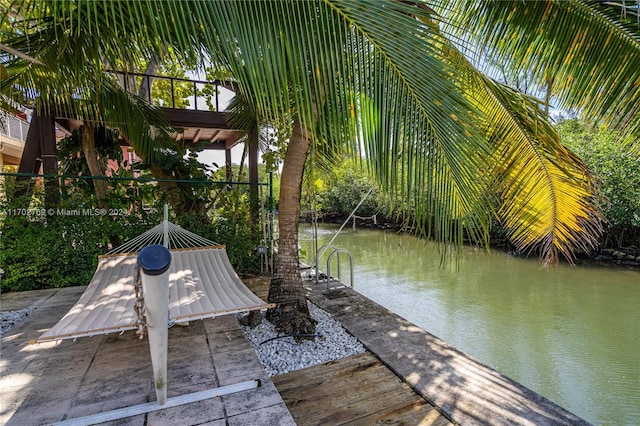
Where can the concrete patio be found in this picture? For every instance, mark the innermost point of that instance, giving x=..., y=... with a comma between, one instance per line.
x=51, y=382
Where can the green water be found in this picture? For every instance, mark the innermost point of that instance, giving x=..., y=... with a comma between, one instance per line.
x=571, y=334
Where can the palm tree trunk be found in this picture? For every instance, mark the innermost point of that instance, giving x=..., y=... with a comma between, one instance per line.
x=145, y=85
x=291, y=314
x=95, y=167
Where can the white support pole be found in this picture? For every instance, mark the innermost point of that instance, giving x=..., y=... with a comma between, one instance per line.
x=154, y=261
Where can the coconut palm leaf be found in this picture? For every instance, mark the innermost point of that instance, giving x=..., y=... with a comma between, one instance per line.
x=586, y=51
x=546, y=191
x=544, y=194
x=70, y=78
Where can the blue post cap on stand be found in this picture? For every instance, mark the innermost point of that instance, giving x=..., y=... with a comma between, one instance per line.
x=154, y=259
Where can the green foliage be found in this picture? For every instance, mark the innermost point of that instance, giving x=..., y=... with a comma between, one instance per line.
x=344, y=66
x=229, y=224
x=58, y=247
x=240, y=238
x=616, y=163
x=164, y=92
x=276, y=191
x=122, y=192
x=340, y=194
x=71, y=157
x=209, y=91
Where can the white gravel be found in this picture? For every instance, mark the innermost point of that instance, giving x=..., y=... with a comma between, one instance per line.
x=10, y=319
x=283, y=355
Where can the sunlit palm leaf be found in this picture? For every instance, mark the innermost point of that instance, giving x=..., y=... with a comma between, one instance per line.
x=546, y=191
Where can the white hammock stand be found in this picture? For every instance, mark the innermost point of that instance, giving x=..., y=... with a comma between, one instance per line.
x=199, y=282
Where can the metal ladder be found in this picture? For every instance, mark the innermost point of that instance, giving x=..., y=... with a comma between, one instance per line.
x=330, y=280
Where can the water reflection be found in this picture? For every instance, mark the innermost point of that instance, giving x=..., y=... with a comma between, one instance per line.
x=572, y=333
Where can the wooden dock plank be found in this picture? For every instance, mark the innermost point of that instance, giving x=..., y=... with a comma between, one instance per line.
x=365, y=405
x=338, y=408
x=413, y=412
x=332, y=382
x=357, y=390
x=358, y=363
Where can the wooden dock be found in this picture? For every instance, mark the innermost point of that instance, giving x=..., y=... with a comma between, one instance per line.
x=259, y=285
x=357, y=390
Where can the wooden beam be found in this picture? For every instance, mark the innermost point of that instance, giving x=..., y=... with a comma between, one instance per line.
x=196, y=137
x=40, y=146
x=193, y=118
x=30, y=155
x=40, y=151
x=210, y=145
x=231, y=142
x=254, y=204
x=68, y=125
x=48, y=149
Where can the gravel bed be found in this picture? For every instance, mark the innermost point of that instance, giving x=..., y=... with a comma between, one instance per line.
x=9, y=319
x=283, y=355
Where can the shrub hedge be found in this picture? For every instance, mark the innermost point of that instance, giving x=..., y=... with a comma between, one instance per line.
x=61, y=249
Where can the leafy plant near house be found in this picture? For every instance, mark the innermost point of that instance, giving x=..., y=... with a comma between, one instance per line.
x=59, y=248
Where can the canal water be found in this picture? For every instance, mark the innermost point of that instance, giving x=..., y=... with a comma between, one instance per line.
x=572, y=334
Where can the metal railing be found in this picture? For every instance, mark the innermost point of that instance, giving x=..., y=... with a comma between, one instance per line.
x=193, y=90
x=13, y=127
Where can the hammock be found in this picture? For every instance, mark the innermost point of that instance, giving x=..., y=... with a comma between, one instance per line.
x=202, y=284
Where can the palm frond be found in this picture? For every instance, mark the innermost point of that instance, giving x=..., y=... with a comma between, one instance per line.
x=587, y=49
x=69, y=78
x=416, y=130
x=546, y=192
x=371, y=70
x=543, y=192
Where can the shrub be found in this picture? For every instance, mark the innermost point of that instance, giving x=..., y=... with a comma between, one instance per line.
x=615, y=161
x=232, y=230
x=342, y=193
x=60, y=249
x=42, y=250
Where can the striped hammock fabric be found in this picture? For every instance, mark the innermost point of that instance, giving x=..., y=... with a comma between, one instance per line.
x=202, y=284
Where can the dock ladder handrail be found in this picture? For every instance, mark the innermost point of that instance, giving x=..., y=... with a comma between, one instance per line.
x=335, y=252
